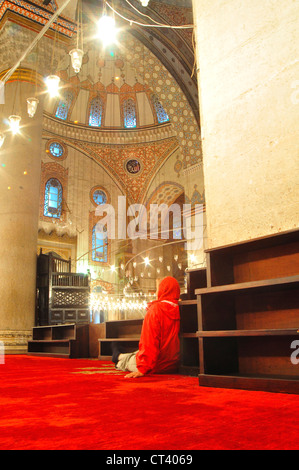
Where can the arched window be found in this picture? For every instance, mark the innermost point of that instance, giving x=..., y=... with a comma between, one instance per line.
x=99, y=244
x=53, y=199
x=129, y=108
x=99, y=197
x=96, y=112
x=162, y=116
x=64, y=105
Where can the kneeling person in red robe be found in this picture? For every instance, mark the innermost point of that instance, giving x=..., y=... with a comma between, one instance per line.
x=159, y=346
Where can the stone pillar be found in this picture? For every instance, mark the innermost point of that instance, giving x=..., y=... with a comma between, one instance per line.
x=20, y=167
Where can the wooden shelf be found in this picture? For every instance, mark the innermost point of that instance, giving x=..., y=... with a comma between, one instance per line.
x=291, y=282
x=125, y=332
x=188, y=302
x=196, y=277
x=269, y=383
x=189, y=362
x=67, y=340
x=249, y=315
x=124, y=339
x=234, y=333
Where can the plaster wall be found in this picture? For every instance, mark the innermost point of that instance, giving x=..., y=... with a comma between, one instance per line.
x=248, y=72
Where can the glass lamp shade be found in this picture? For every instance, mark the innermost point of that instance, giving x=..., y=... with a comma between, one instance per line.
x=144, y=3
x=52, y=82
x=14, y=122
x=76, y=56
x=1, y=139
x=32, y=106
x=107, y=30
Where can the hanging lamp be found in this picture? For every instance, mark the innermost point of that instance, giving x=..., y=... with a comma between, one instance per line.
x=14, y=123
x=52, y=82
x=32, y=106
x=77, y=53
x=32, y=102
x=107, y=31
x=76, y=57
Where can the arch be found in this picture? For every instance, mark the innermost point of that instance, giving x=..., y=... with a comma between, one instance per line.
x=53, y=198
x=166, y=193
x=99, y=246
x=129, y=112
x=161, y=114
x=96, y=112
x=64, y=105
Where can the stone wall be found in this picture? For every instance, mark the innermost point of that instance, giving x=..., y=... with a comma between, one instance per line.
x=248, y=70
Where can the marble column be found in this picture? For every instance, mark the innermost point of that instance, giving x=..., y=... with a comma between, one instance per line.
x=20, y=168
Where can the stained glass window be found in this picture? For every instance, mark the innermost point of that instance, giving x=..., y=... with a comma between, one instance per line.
x=99, y=244
x=64, y=105
x=99, y=197
x=96, y=112
x=56, y=149
x=53, y=199
x=162, y=116
x=177, y=232
x=130, y=114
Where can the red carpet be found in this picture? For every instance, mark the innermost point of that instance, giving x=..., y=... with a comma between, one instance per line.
x=51, y=404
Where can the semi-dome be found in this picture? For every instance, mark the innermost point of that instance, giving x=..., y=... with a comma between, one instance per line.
x=107, y=93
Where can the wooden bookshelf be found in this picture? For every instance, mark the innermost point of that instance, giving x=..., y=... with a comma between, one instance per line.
x=249, y=315
x=124, y=332
x=65, y=341
x=189, y=357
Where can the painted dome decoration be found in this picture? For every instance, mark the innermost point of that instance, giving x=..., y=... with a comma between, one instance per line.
x=111, y=97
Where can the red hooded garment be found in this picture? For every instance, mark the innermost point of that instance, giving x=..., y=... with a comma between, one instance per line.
x=159, y=346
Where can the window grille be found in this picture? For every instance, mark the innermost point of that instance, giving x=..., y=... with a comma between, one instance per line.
x=99, y=197
x=53, y=199
x=64, y=105
x=162, y=116
x=96, y=112
x=56, y=149
x=130, y=120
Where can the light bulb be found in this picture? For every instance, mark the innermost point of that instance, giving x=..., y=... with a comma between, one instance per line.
x=107, y=30
x=52, y=82
x=32, y=106
x=146, y=261
x=14, y=122
x=76, y=56
x=144, y=3
x=2, y=138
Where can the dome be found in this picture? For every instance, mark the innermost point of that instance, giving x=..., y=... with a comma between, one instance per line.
x=106, y=94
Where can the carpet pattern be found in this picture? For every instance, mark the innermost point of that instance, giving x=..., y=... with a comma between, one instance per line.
x=78, y=404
